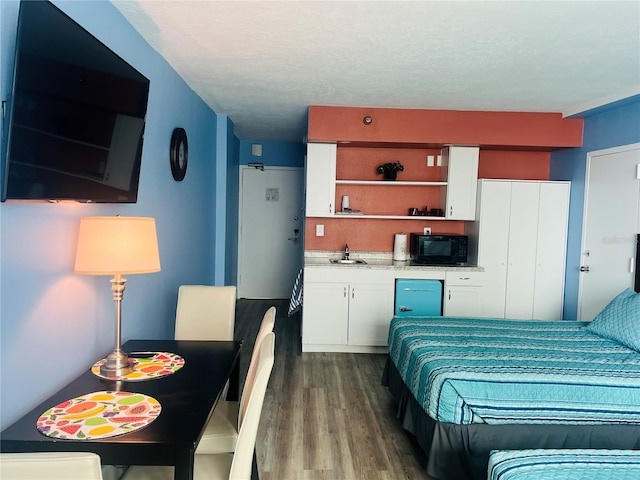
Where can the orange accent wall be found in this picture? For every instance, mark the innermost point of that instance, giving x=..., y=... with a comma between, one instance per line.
x=517, y=165
x=369, y=235
x=438, y=127
x=513, y=145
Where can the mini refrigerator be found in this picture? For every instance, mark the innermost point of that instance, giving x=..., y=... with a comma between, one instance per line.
x=418, y=298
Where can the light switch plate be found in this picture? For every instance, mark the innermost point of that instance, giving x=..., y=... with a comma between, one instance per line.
x=427, y=230
x=319, y=230
x=439, y=161
x=430, y=160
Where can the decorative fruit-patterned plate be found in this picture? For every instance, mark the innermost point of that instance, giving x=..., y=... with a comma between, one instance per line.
x=99, y=415
x=157, y=364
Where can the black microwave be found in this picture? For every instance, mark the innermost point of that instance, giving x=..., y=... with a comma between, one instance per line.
x=438, y=249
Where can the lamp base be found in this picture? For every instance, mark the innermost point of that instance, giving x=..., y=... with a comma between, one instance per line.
x=117, y=365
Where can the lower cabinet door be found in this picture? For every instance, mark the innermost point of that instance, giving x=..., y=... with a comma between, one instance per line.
x=370, y=312
x=463, y=301
x=325, y=313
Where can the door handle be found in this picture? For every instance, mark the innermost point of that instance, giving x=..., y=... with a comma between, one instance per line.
x=296, y=235
x=584, y=268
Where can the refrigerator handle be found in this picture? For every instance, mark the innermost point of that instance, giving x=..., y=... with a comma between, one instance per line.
x=406, y=309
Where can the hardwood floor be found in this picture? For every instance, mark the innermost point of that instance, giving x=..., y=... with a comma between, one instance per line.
x=326, y=415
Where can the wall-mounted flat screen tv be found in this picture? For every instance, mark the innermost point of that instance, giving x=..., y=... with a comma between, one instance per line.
x=77, y=114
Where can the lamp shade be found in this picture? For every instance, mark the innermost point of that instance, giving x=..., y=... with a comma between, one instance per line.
x=117, y=245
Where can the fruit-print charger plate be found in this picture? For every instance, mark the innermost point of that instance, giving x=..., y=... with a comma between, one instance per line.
x=99, y=415
x=156, y=365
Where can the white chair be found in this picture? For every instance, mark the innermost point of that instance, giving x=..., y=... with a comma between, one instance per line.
x=205, y=312
x=237, y=465
x=50, y=466
x=221, y=433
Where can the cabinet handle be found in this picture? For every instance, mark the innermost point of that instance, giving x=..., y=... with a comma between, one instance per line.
x=451, y=210
x=464, y=278
x=353, y=293
x=345, y=292
x=449, y=294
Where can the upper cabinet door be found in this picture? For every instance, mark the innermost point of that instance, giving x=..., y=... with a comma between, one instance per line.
x=320, y=179
x=460, y=170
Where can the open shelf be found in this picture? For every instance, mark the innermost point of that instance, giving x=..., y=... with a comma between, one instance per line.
x=382, y=183
x=388, y=217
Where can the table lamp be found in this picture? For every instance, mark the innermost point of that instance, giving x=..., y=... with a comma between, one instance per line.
x=117, y=246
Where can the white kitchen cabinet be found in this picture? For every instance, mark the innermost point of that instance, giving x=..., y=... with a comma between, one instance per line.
x=460, y=171
x=458, y=184
x=463, y=294
x=519, y=238
x=346, y=310
x=370, y=312
x=320, y=179
x=325, y=313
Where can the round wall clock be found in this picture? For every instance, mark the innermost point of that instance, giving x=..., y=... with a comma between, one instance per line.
x=179, y=154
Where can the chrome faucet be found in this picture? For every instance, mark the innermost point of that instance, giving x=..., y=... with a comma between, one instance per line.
x=346, y=251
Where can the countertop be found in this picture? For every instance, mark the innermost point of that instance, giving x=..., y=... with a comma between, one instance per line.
x=378, y=261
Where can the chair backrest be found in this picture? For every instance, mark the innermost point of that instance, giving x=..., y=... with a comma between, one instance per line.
x=50, y=465
x=246, y=443
x=268, y=322
x=205, y=312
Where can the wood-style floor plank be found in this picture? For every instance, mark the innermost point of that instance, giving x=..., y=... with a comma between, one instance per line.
x=325, y=416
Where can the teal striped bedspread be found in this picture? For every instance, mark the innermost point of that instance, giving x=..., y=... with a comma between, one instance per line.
x=496, y=371
x=569, y=464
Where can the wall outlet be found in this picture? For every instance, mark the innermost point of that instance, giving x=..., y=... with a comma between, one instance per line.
x=319, y=230
x=427, y=230
x=439, y=161
x=430, y=160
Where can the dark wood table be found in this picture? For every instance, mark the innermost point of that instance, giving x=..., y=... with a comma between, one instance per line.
x=187, y=398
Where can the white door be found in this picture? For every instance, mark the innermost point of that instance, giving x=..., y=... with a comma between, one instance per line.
x=493, y=243
x=271, y=223
x=521, y=269
x=553, y=214
x=611, y=222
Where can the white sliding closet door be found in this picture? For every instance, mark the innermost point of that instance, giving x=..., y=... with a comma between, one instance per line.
x=493, y=243
x=521, y=233
x=521, y=269
x=551, y=251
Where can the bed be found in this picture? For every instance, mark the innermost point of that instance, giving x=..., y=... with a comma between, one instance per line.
x=467, y=386
x=564, y=464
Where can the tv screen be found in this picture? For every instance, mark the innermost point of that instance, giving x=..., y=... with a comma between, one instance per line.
x=77, y=114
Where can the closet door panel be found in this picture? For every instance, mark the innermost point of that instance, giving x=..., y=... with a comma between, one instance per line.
x=521, y=267
x=551, y=251
x=493, y=243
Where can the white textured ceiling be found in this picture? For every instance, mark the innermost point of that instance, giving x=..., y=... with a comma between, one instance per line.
x=263, y=63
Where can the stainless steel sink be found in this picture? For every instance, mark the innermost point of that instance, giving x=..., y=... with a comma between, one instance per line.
x=349, y=261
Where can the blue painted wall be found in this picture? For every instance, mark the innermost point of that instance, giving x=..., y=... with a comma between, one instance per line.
x=274, y=154
x=233, y=195
x=606, y=127
x=54, y=323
